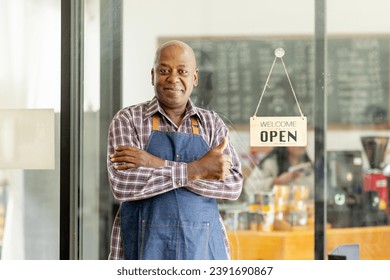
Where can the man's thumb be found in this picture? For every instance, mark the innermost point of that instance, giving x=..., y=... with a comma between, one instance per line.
x=221, y=147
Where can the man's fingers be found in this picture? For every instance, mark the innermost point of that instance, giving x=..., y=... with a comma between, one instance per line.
x=124, y=148
x=120, y=158
x=124, y=166
x=121, y=167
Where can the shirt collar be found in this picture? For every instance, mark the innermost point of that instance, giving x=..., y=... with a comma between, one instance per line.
x=154, y=107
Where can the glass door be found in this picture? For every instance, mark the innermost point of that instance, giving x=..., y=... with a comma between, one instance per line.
x=29, y=84
x=102, y=90
x=358, y=38
x=234, y=59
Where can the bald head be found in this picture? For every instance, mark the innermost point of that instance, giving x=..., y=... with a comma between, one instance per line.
x=174, y=76
x=175, y=44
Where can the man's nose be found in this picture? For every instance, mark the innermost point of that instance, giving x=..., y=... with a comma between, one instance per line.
x=173, y=77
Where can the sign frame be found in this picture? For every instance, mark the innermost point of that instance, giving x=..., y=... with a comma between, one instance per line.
x=278, y=131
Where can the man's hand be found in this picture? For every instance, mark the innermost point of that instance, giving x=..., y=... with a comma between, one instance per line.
x=128, y=157
x=213, y=165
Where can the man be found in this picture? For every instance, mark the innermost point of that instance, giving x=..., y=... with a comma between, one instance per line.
x=168, y=163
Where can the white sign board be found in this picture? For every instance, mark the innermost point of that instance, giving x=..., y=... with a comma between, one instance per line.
x=27, y=139
x=278, y=131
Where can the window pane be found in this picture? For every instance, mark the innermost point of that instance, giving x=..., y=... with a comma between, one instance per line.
x=358, y=126
x=30, y=79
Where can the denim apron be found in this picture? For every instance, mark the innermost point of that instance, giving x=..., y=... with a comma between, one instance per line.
x=179, y=224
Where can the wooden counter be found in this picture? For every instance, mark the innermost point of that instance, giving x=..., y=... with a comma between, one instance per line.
x=298, y=244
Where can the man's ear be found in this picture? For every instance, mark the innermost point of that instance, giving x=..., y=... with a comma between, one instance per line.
x=196, y=77
x=152, y=76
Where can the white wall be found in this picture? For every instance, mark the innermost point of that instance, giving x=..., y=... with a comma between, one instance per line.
x=358, y=16
x=145, y=21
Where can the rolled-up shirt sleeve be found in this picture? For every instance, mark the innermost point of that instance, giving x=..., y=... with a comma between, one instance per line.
x=136, y=183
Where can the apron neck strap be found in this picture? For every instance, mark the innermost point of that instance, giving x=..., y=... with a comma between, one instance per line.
x=155, y=122
x=195, y=125
x=194, y=122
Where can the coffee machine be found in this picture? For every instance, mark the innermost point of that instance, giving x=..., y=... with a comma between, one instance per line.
x=344, y=188
x=374, y=181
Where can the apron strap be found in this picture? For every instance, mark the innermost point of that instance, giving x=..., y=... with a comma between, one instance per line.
x=194, y=122
x=155, y=122
x=195, y=125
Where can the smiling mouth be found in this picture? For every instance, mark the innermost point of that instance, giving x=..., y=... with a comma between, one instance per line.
x=174, y=89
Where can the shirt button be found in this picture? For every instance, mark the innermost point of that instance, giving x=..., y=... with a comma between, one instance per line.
x=179, y=183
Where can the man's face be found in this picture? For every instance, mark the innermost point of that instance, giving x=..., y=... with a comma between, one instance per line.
x=174, y=76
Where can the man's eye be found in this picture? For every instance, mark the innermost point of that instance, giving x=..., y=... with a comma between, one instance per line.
x=183, y=72
x=164, y=71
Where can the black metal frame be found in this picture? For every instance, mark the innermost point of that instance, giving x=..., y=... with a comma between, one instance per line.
x=319, y=130
x=71, y=131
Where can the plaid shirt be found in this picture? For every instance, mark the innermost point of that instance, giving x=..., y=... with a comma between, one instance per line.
x=132, y=126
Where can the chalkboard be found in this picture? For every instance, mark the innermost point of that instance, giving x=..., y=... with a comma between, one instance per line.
x=232, y=75
x=358, y=85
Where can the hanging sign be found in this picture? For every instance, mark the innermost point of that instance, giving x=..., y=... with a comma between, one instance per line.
x=278, y=131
